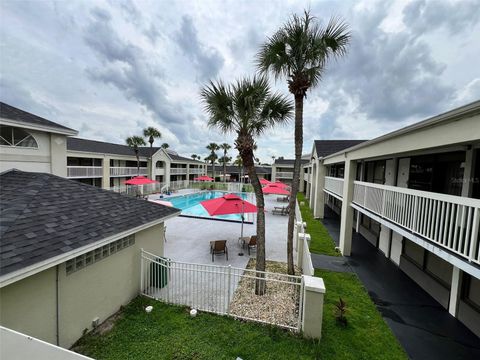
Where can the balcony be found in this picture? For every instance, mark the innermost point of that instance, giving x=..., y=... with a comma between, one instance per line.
x=196, y=170
x=79, y=172
x=451, y=222
x=127, y=171
x=178, y=171
x=284, y=175
x=334, y=186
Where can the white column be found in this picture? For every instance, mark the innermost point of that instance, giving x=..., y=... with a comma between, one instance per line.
x=346, y=219
x=106, y=172
x=319, y=207
x=359, y=215
x=455, y=291
x=313, y=294
x=313, y=189
x=467, y=185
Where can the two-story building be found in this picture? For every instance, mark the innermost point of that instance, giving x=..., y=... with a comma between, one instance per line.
x=415, y=195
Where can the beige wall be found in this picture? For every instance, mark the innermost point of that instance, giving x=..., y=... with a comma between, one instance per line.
x=98, y=290
x=58, y=146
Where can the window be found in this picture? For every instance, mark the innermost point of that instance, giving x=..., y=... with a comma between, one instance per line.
x=96, y=255
x=12, y=136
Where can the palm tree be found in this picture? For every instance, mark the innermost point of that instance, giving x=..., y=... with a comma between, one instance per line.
x=165, y=146
x=213, y=156
x=225, y=147
x=299, y=51
x=248, y=108
x=239, y=163
x=151, y=133
x=134, y=142
x=194, y=156
x=224, y=160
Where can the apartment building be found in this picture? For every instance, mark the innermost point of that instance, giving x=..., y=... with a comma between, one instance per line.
x=415, y=195
x=282, y=169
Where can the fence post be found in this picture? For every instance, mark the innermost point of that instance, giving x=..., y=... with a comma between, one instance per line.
x=229, y=291
x=313, y=295
x=301, y=244
x=141, y=271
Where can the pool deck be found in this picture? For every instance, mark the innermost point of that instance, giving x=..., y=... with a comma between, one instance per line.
x=188, y=239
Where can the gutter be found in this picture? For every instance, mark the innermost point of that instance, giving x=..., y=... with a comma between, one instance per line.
x=20, y=274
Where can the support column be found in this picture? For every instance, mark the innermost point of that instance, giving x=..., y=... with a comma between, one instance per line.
x=313, y=189
x=467, y=185
x=106, y=173
x=319, y=207
x=346, y=219
x=309, y=186
x=455, y=291
x=313, y=294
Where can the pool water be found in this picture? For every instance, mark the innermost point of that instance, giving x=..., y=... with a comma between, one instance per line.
x=190, y=204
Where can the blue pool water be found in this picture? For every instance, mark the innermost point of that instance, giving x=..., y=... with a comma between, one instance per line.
x=190, y=204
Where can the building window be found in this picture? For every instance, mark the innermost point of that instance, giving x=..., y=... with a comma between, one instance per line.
x=12, y=136
x=96, y=255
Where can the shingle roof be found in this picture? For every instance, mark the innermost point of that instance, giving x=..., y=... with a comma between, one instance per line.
x=327, y=147
x=289, y=161
x=12, y=113
x=43, y=215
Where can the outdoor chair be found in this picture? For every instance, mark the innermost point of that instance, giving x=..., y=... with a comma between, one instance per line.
x=282, y=199
x=252, y=244
x=218, y=247
x=277, y=210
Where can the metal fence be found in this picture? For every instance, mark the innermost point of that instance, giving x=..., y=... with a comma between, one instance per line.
x=224, y=290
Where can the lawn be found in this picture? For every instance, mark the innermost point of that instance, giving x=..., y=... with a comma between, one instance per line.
x=170, y=333
x=321, y=241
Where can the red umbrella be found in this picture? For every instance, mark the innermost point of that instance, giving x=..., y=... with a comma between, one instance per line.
x=265, y=182
x=229, y=204
x=139, y=180
x=203, y=178
x=279, y=183
x=275, y=189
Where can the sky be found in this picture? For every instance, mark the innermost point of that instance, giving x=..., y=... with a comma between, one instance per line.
x=111, y=68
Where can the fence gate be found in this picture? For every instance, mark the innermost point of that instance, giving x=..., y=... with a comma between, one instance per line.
x=224, y=290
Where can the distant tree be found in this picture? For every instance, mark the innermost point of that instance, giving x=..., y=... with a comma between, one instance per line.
x=299, y=51
x=194, y=156
x=134, y=142
x=225, y=147
x=224, y=160
x=239, y=163
x=213, y=147
x=164, y=146
x=151, y=133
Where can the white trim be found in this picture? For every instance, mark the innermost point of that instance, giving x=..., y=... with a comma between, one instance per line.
x=49, y=129
x=445, y=255
x=20, y=274
x=332, y=194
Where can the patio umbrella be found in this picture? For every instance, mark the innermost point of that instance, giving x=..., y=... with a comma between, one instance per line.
x=275, y=189
x=139, y=180
x=203, y=178
x=281, y=184
x=229, y=204
x=161, y=202
x=265, y=182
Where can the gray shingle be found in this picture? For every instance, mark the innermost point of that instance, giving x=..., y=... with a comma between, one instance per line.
x=63, y=215
x=327, y=147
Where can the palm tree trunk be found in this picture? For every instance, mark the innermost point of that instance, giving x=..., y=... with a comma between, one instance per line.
x=296, y=180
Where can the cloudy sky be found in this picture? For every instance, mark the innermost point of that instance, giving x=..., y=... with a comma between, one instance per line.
x=111, y=68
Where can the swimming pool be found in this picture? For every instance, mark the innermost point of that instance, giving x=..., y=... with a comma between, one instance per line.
x=190, y=204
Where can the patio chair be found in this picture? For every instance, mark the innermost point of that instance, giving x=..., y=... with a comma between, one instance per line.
x=252, y=244
x=218, y=247
x=277, y=210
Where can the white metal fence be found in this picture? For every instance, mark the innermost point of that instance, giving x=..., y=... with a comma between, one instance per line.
x=127, y=171
x=334, y=185
x=449, y=221
x=84, y=171
x=224, y=290
x=304, y=259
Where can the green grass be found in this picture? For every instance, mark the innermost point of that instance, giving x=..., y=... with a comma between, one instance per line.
x=321, y=241
x=366, y=336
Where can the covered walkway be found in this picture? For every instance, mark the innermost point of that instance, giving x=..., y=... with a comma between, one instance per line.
x=424, y=328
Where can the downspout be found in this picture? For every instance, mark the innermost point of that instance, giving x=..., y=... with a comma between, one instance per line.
x=57, y=312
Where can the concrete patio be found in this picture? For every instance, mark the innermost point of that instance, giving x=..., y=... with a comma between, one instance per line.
x=188, y=239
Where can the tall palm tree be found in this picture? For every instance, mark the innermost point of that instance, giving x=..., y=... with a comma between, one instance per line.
x=225, y=147
x=151, y=133
x=213, y=156
x=239, y=163
x=299, y=52
x=165, y=146
x=224, y=160
x=194, y=156
x=248, y=108
x=134, y=142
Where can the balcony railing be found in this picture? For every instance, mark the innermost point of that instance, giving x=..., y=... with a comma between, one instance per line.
x=84, y=171
x=127, y=171
x=196, y=171
x=451, y=222
x=334, y=185
x=178, y=171
x=284, y=175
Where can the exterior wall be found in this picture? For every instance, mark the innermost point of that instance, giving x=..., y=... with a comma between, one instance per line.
x=58, y=146
x=28, y=159
x=98, y=290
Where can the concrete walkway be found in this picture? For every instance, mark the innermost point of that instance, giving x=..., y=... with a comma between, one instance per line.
x=424, y=328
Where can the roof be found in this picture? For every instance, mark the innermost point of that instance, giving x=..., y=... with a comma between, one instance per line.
x=43, y=216
x=281, y=161
x=9, y=112
x=233, y=169
x=101, y=147
x=327, y=147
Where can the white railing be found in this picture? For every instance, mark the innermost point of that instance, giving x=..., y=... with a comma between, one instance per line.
x=196, y=170
x=127, y=171
x=304, y=259
x=449, y=221
x=224, y=290
x=178, y=171
x=334, y=185
x=84, y=171
x=284, y=174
